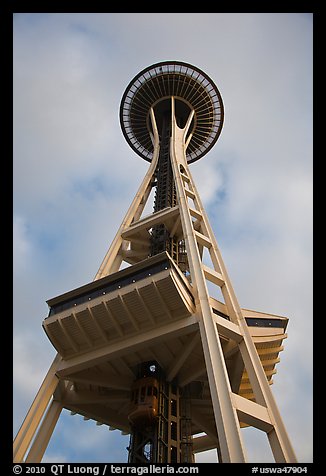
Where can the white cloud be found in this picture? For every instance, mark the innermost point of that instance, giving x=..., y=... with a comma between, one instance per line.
x=54, y=458
x=209, y=456
x=21, y=244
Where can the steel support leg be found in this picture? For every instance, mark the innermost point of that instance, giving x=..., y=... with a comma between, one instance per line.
x=226, y=419
x=43, y=436
x=32, y=420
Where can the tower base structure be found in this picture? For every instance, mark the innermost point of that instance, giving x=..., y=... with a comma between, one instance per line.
x=161, y=349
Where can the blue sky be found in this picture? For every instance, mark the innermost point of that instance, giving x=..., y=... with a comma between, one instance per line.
x=75, y=176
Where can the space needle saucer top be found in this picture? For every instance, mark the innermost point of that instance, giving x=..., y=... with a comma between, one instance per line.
x=153, y=88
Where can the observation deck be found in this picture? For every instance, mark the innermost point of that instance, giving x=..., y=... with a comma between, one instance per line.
x=191, y=88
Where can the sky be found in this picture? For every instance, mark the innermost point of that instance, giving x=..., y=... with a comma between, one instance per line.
x=74, y=177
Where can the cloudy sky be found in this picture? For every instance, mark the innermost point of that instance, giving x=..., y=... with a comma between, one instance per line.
x=75, y=176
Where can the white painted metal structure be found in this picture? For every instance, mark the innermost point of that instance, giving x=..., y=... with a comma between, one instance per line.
x=167, y=317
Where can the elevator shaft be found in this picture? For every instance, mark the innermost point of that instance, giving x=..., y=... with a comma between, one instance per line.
x=160, y=419
x=165, y=195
